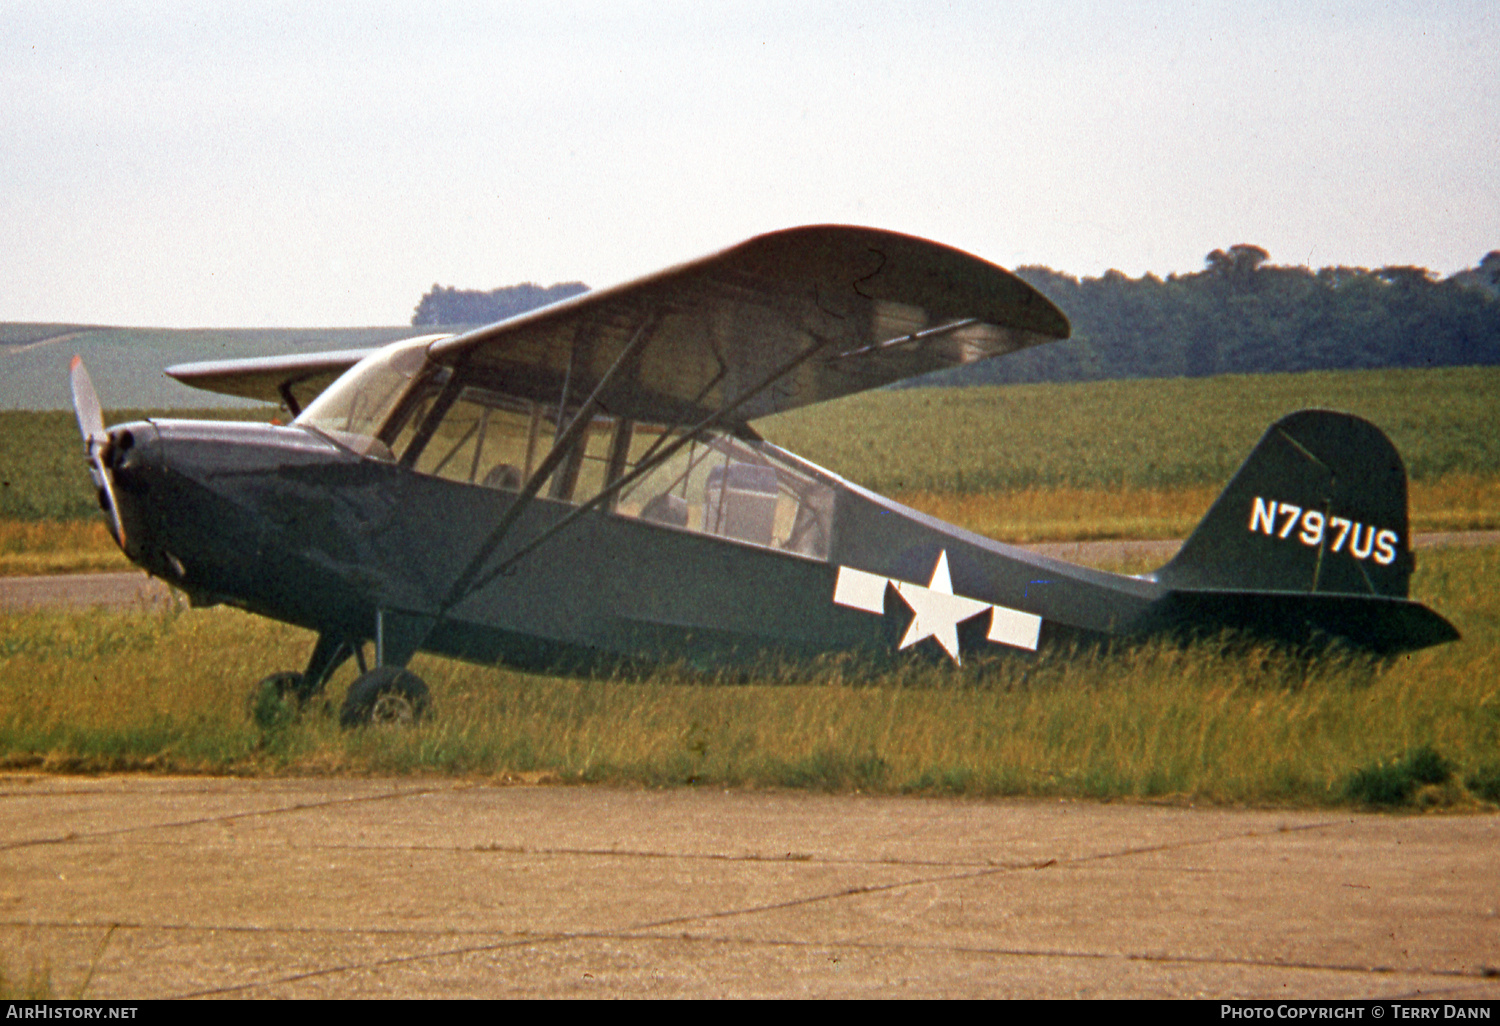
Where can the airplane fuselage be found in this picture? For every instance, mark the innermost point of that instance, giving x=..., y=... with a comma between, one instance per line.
x=287, y=524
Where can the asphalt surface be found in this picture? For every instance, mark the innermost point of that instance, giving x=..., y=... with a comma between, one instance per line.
x=142, y=887
x=133, y=589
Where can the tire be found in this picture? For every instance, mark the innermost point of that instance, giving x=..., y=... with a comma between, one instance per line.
x=387, y=695
x=276, y=700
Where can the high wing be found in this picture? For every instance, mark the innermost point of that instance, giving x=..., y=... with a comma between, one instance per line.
x=291, y=380
x=783, y=320
x=818, y=312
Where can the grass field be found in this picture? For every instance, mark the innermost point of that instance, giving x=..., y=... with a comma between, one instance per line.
x=1183, y=432
x=1111, y=435
x=167, y=692
x=42, y=472
x=1457, y=502
x=1132, y=459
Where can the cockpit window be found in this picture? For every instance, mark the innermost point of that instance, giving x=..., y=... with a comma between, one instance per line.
x=735, y=488
x=354, y=408
x=474, y=432
x=482, y=438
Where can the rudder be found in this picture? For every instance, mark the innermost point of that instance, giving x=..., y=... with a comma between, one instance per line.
x=1319, y=506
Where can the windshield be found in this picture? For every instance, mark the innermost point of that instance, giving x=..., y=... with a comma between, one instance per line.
x=355, y=407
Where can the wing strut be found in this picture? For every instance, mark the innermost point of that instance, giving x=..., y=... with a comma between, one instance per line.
x=285, y=391
x=650, y=454
x=470, y=581
x=916, y=336
x=463, y=585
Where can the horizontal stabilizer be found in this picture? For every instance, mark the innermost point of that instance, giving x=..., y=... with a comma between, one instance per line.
x=1382, y=626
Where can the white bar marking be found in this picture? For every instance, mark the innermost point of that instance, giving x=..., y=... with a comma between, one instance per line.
x=860, y=590
x=1013, y=627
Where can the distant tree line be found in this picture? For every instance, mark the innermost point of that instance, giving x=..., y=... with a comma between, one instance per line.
x=1243, y=315
x=450, y=306
x=1239, y=315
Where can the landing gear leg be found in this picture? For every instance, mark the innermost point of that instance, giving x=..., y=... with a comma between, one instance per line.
x=283, y=694
x=331, y=652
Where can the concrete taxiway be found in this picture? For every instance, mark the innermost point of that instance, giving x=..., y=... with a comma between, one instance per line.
x=139, y=887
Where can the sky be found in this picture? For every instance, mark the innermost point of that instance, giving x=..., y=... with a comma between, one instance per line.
x=323, y=165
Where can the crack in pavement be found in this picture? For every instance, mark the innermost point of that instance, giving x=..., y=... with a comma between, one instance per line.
x=91, y=835
x=521, y=849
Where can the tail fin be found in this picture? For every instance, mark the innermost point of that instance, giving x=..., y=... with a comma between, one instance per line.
x=1319, y=506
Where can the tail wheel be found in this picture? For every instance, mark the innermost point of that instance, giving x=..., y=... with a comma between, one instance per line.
x=385, y=695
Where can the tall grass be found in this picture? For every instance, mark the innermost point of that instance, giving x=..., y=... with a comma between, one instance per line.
x=58, y=547
x=167, y=691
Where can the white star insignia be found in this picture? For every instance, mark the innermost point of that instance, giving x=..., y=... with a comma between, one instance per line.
x=937, y=612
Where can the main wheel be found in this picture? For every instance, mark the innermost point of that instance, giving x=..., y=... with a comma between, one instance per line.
x=385, y=695
x=276, y=699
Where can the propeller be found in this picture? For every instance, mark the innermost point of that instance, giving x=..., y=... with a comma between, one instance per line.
x=96, y=443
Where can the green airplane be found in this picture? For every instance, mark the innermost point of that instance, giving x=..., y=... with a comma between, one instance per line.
x=580, y=488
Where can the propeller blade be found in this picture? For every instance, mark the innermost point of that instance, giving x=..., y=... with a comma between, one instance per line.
x=95, y=443
x=106, y=481
x=85, y=401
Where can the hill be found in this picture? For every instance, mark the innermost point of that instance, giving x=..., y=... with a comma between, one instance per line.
x=126, y=363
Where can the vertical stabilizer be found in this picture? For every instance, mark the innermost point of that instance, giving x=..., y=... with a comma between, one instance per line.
x=1319, y=506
